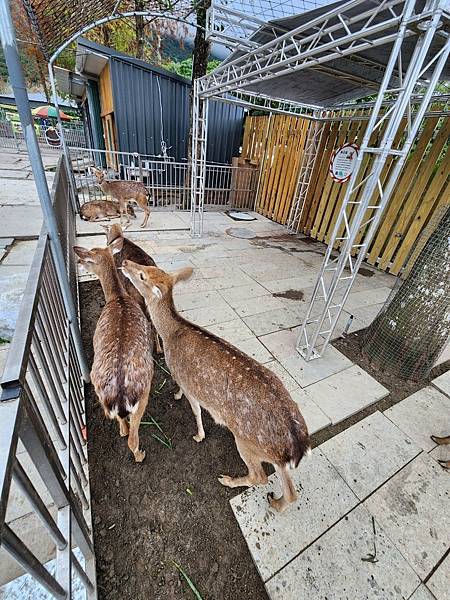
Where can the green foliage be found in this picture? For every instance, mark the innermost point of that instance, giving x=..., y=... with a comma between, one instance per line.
x=184, y=67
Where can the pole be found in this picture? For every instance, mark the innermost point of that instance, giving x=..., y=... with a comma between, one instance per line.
x=17, y=81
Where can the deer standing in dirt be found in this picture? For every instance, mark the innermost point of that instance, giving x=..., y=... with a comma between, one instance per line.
x=124, y=192
x=122, y=370
x=237, y=391
x=130, y=251
x=102, y=210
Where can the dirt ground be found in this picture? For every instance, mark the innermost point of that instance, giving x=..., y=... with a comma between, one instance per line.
x=168, y=509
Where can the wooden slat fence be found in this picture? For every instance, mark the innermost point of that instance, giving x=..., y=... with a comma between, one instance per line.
x=277, y=143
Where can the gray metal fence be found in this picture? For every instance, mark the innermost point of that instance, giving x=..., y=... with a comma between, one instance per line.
x=11, y=135
x=167, y=181
x=42, y=411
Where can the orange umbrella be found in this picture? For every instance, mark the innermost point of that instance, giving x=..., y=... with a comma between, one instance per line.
x=50, y=111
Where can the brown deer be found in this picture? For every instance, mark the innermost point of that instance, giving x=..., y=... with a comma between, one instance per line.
x=102, y=210
x=124, y=192
x=122, y=370
x=441, y=441
x=129, y=251
x=237, y=391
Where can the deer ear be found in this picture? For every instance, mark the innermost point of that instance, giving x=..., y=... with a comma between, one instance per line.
x=182, y=274
x=157, y=292
x=116, y=245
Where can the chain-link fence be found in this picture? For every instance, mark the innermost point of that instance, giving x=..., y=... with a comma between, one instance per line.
x=410, y=332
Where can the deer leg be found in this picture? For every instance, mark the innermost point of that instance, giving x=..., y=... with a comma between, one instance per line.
x=256, y=474
x=135, y=421
x=196, y=409
x=178, y=395
x=142, y=202
x=440, y=440
x=289, y=494
x=123, y=427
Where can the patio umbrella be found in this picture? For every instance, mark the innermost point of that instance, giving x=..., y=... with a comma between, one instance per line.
x=50, y=111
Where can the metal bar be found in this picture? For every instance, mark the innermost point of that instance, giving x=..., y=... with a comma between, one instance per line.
x=20, y=93
x=28, y=489
x=81, y=573
x=17, y=549
x=10, y=421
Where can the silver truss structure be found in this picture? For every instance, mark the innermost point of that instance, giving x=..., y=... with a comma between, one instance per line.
x=340, y=32
x=198, y=168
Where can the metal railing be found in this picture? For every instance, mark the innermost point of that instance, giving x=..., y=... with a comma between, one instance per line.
x=42, y=406
x=168, y=182
x=11, y=135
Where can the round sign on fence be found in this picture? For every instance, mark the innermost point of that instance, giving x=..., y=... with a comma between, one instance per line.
x=343, y=161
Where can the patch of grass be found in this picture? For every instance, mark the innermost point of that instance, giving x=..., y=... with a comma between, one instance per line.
x=188, y=581
x=164, y=440
x=3, y=341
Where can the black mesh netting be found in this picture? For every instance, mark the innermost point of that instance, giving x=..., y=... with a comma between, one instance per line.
x=408, y=335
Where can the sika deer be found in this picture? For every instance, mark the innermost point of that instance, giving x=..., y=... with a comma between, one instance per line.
x=125, y=249
x=123, y=192
x=122, y=370
x=101, y=210
x=236, y=390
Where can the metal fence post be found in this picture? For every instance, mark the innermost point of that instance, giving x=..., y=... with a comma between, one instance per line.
x=23, y=106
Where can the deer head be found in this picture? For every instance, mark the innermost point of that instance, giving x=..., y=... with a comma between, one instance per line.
x=95, y=260
x=153, y=283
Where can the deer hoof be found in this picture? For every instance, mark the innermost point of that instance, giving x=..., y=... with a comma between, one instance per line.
x=198, y=438
x=139, y=456
x=226, y=480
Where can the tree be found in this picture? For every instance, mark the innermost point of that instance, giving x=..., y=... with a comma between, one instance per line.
x=407, y=338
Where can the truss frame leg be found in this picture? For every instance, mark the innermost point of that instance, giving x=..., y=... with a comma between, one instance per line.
x=305, y=172
x=328, y=301
x=198, y=167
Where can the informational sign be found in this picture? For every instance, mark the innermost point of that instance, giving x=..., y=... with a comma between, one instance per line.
x=343, y=162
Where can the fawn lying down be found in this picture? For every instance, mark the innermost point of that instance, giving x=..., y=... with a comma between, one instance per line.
x=125, y=249
x=236, y=390
x=122, y=370
x=101, y=210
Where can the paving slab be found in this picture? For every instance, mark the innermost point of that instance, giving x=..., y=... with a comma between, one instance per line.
x=422, y=593
x=369, y=453
x=443, y=383
x=243, y=292
x=4, y=349
x=190, y=300
x=273, y=538
x=289, y=383
x=209, y=315
x=307, y=373
x=233, y=331
x=255, y=349
x=315, y=418
x=251, y=306
x=425, y=413
x=333, y=567
x=414, y=509
x=20, y=221
x=439, y=582
x=345, y=393
x=273, y=320
x=298, y=284
x=364, y=298
x=21, y=253
x=12, y=285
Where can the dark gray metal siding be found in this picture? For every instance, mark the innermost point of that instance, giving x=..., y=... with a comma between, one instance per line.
x=138, y=115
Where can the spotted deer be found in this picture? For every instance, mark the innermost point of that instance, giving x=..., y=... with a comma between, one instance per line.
x=102, y=210
x=122, y=370
x=124, y=249
x=237, y=391
x=124, y=192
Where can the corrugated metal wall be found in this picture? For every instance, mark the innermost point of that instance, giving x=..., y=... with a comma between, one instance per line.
x=148, y=102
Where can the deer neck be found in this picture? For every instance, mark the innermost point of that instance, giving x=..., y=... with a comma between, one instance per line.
x=164, y=315
x=111, y=284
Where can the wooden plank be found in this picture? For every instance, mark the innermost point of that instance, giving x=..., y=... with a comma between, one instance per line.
x=336, y=188
x=410, y=202
x=267, y=158
x=283, y=138
x=105, y=86
x=324, y=164
x=404, y=183
x=438, y=193
x=314, y=177
x=290, y=170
